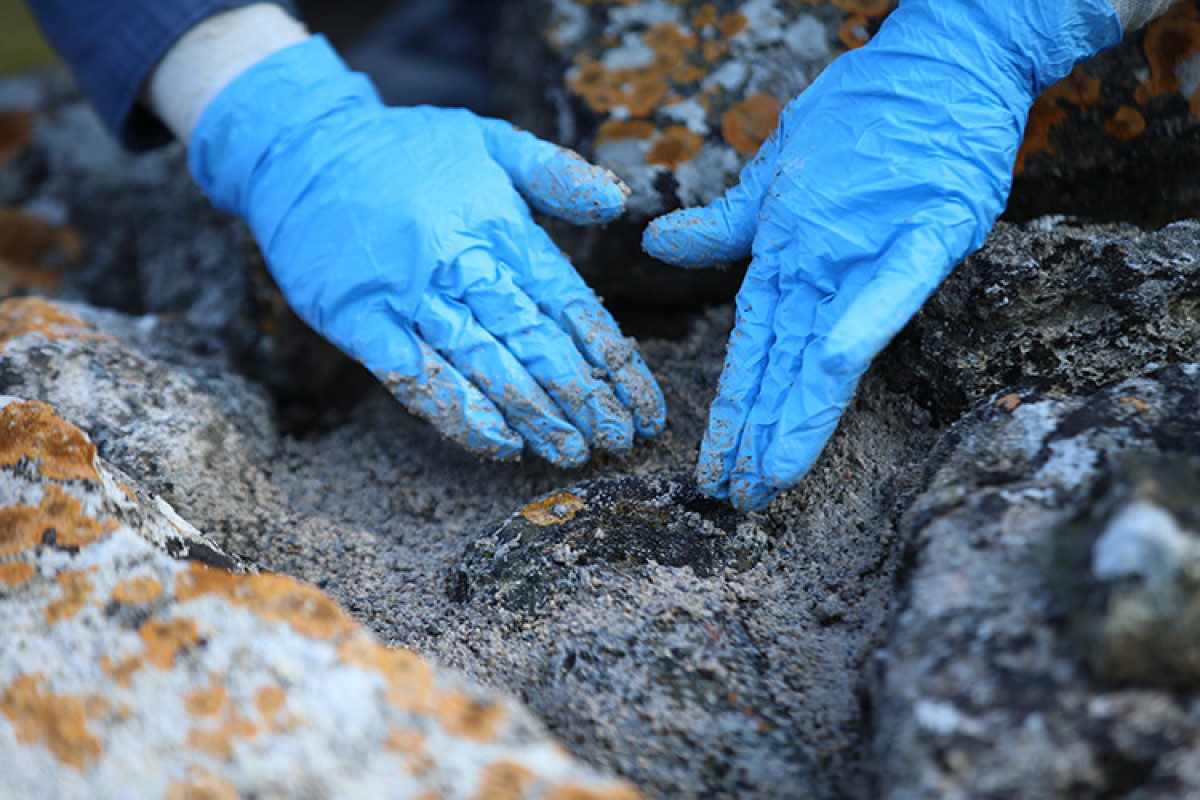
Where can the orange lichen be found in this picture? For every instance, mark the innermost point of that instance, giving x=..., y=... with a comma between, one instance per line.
x=1009, y=401
x=121, y=672
x=1170, y=40
x=165, y=638
x=1126, y=124
x=137, y=590
x=554, y=510
x=59, y=518
x=853, y=31
x=200, y=784
x=408, y=679
x=57, y=721
x=638, y=89
x=732, y=24
x=1078, y=88
x=15, y=573
x=206, y=701
x=277, y=598
x=746, y=125
x=574, y=791
x=1045, y=114
x=30, y=241
x=464, y=716
x=504, y=780
x=410, y=746
x=612, y=130
x=16, y=134
x=867, y=8
x=714, y=50
x=704, y=16
x=33, y=430
x=76, y=590
x=1137, y=404
x=218, y=742
x=675, y=146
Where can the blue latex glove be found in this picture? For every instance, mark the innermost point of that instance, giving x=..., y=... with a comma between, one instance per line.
x=885, y=173
x=401, y=235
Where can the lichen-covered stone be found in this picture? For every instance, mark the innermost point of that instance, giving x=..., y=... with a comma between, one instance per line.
x=129, y=673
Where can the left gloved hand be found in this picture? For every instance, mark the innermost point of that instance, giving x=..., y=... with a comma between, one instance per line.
x=402, y=236
x=885, y=173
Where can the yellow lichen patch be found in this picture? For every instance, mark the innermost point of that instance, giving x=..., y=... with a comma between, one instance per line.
x=410, y=746
x=868, y=8
x=853, y=31
x=76, y=590
x=206, y=701
x=27, y=241
x=277, y=598
x=1170, y=40
x=675, y=146
x=218, y=742
x=164, y=638
x=504, y=780
x=1009, y=401
x=1126, y=124
x=15, y=573
x=22, y=316
x=554, y=510
x=1045, y=114
x=732, y=24
x=137, y=590
x=269, y=700
x=57, y=721
x=1078, y=88
x=746, y=125
x=16, y=134
x=704, y=16
x=121, y=672
x=200, y=784
x=574, y=791
x=59, y=515
x=408, y=679
x=613, y=130
x=468, y=717
x=33, y=430
x=714, y=50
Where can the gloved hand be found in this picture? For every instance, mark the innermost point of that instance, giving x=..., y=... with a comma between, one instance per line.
x=400, y=235
x=885, y=173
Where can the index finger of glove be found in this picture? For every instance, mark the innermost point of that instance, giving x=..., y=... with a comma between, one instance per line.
x=431, y=389
x=487, y=363
x=553, y=179
x=545, y=350
x=548, y=277
x=746, y=358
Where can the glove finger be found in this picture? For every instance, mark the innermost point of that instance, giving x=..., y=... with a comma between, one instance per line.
x=722, y=231
x=908, y=274
x=545, y=350
x=436, y=392
x=496, y=372
x=745, y=362
x=553, y=179
x=547, y=276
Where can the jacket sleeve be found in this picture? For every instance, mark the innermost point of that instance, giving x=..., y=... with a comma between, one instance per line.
x=111, y=47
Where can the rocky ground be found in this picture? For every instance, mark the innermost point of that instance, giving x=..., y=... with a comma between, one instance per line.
x=985, y=588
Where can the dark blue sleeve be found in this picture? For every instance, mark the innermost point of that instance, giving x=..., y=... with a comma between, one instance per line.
x=112, y=45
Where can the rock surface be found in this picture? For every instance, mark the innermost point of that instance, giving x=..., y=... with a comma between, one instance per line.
x=923, y=616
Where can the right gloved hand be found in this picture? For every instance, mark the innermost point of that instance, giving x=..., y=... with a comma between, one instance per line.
x=885, y=173
x=400, y=235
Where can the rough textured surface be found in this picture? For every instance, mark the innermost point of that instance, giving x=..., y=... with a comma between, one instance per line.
x=216, y=684
x=897, y=624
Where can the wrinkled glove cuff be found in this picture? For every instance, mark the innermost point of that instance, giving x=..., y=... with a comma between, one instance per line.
x=260, y=112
